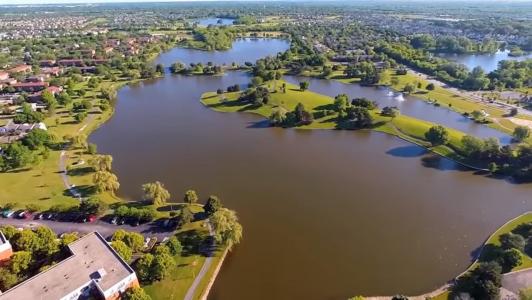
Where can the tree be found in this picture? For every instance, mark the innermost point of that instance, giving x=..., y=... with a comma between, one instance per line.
x=521, y=133
x=437, y=135
x=304, y=85
x=174, y=245
x=25, y=240
x=7, y=279
x=190, y=197
x=256, y=81
x=143, y=267
x=341, y=102
x=278, y=117
x=512, y=241
x=409, y=88
x=472, y=145
x=47, y=243
x=20, y=262
x=135, y=293
x=105, y=181
x=93, y=206
x=49, y=99
x=9, y=231
x=92, y=148
x=483, y=282
x=186, y=215
x=430, y=86
x=155, y=193
x=162, y=264
x=101, y=163
x=80, y=116
x=510, y=259
x=390, y=111
x=226, y=228
x=17, y=156
x=134, y=240
x=159, y=68
x=213, y=204
x=37, y=138
x=122, y=249
x=68, y=238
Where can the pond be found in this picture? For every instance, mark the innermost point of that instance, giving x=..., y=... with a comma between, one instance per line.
x=488, y=61
x=327, y=214
x=215, y=21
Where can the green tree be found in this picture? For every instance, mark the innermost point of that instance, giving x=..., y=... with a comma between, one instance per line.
x=25, y=240
x=174, y=246
x=105, y=181
x=37, y=138
x=226, y=227
x=68, y=238
x=162, y=264
x=155, y=193
x=93, y=206
x=430, y=86
x=191, y=197
x=9, y=231
x=20, y=262
x=101, y=162
x=7, y=279
x=49, y=99
x=437, y=135
x=483, y=282
x=521, y=133
x=92, y=148
x=186, y=215
x=17, y=156
x=143, y=267
x=47, y=243
x=134, y=240
x=472, y=145
x=409, y=88
x=512, y=241
x=304, y=85
x=213, y=204
x=135, y=293
x=122, y=249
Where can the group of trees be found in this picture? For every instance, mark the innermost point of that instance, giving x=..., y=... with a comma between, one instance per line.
x=366, y=71
x=257, y=96
x=298, y=117
x=126, y=243
x=484, y=281
x=34, y=250
x=354, y=114
x=158, y=264
x=215, y=38
x=452, y=44
x=27, y=151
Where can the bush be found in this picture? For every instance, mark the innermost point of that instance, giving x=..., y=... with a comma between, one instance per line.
x=512, y=241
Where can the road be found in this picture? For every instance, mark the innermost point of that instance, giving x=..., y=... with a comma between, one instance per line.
x=105, y=229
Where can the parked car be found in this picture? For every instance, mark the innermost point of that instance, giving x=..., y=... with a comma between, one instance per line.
x=39, y=216
x=24, y=214
x=7, y=213
x=114, y=220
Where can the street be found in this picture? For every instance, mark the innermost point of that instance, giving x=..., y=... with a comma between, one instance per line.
x=105, y=229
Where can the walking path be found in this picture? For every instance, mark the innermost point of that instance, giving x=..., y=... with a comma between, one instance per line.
x=206, y=266
x=62, y=166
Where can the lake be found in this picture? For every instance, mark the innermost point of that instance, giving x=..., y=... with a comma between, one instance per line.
x=488, y=61
x=215, y=21
x=327, y=214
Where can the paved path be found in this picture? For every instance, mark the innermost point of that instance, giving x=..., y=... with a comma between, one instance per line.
x=62, y=165
x=105, y=229
x=199, y=277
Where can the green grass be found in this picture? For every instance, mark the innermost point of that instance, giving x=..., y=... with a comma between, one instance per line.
x=176, y=285
x=405, y=127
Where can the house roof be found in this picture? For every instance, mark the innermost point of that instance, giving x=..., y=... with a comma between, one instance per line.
x=91, y=255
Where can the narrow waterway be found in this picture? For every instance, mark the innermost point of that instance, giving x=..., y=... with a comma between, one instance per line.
x=487, y=61
x=327, y=214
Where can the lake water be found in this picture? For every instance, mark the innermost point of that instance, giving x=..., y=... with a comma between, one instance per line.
x=215, y=21
x=488, y=62
x=327, y=214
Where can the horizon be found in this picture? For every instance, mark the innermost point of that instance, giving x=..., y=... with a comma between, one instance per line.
x=60, y=2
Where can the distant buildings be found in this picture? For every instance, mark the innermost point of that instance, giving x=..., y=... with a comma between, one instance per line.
x=94, y=270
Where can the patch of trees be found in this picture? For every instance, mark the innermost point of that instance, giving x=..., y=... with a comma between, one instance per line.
x=142, y=215
x=34, y=250
x=354, y=114
x=516, y=162
x=215, y=38
x=158, y=264
x=453, y=44
x=27, y=115
x=298, y=117
x=256, y=96
x=366, y=71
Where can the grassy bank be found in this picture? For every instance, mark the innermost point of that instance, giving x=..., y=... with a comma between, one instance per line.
x=405, y=127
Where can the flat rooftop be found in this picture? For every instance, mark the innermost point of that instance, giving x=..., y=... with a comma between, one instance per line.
x=90, y=255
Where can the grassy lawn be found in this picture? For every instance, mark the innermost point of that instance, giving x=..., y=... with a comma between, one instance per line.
x=450, y=99
x=189, y=265
x=42, y=184
x=405, y=127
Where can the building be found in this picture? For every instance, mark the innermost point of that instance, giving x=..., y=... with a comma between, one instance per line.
x=20, y=69
x=94, y=268
x=4, y=75
x=5, y=249
x=29, y=86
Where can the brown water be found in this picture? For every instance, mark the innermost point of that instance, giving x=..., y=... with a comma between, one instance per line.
x=326, y=214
